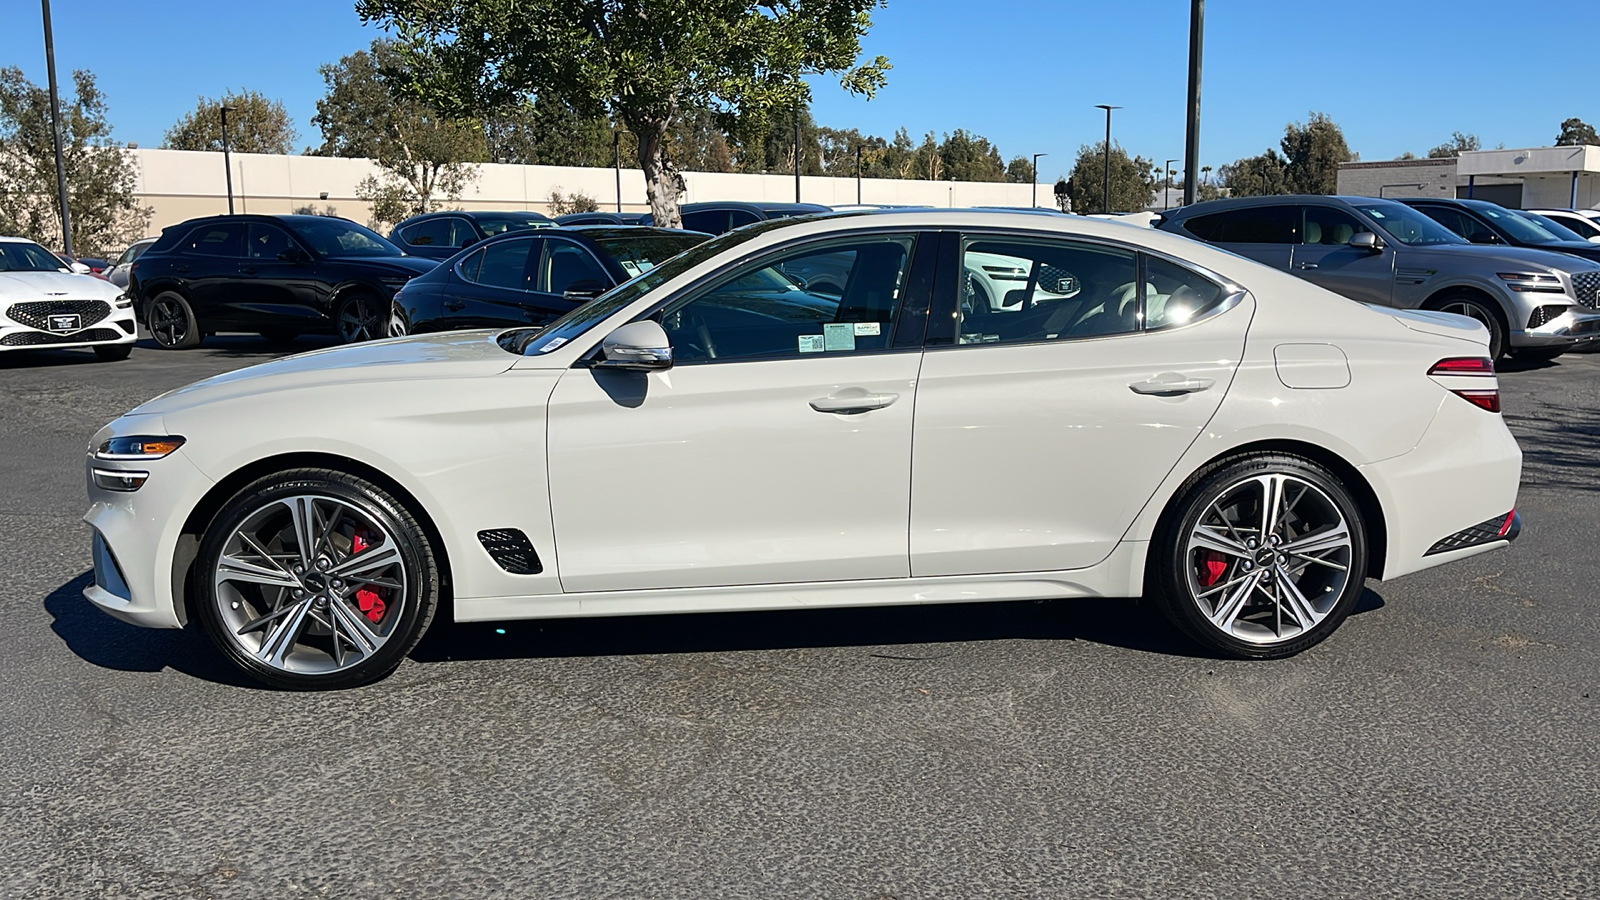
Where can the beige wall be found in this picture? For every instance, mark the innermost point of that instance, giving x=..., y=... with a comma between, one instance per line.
x=182, y=184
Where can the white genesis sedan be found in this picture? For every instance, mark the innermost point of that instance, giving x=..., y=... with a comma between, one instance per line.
x=964, y=406
x=45, y=304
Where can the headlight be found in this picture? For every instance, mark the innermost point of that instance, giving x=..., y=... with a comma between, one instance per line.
x=124, y=482
x=138, y=447
x=123, y=301
x=1524, y=282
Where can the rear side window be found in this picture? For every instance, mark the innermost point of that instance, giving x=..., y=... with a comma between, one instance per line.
x=710, y=221
x=429, y=233
x=503, y=264
x=1254, y=225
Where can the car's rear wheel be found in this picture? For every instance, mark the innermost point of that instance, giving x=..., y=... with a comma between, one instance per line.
x=1474, y=307
x=171, y=322
x=361, y=317
x=313, y=579
x=1263, y=556
x=112, y=352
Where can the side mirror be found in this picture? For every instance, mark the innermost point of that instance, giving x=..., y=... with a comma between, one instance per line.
x=641, y=346
x=583, y=289
x=1367, y=241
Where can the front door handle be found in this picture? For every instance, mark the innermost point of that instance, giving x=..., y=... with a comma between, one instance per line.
x=1170, y=384
x=248, y=270
x=852, y=400
x=1305, y=265
x=455, y=305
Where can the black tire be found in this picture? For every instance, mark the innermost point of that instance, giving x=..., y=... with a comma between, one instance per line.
x=171, y=322
x=360, y=316
x=112, y=352
x=1487, y=312
x=1537, y=354
x=419, y=579
x=1176, y=568
x=279, y=335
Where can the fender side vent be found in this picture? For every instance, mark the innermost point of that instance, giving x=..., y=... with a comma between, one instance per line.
x=511, y=550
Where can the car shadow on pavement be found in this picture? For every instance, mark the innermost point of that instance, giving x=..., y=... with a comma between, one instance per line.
x=46, y=359
x=1558, y=448
x=99, y=639
x=1130, y=624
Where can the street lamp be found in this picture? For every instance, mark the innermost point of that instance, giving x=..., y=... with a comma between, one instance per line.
x=1191, y=137
x=227, y=159
x=1166, y=198
x=1106, y=197
x=616, y=150
x=858, y=174
x=1036, y=177
x=55, y=127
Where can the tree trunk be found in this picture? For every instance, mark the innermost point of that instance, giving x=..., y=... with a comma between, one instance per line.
x=662, y=184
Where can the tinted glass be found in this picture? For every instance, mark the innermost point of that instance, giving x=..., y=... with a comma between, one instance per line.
x=1330, y=227
x=1175, y=296
x=500, y=223
x=760, y=313
x=1019, y=291
x=1460, y=223
x=1405, y=224
x=266, y=241
x=503, y=264
x=428, y=233
x=740, y=217
x=340, y=237
x=1255, y=225
x=216, y=240
x=1525, y=228
x=639, y=254
x=1581, y=227
x=20, y=256
x=566, y=264
x=711, y=221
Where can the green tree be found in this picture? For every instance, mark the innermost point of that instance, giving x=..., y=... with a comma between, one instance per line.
x=1576, y=132
x=256, y=124
x=549, y=132
x=105, y=214
x=1131, y=182
x=970, y=157
x=1458, y=144
x=1256, y=176
x=1312, y=153
x=1020, y=170
x=642, y=61
x=425, y=158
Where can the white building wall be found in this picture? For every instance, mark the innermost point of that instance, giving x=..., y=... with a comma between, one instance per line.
x=181, y=184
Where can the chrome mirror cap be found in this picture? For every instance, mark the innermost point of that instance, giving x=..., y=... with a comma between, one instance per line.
x=637, y=345
x=1366, y=240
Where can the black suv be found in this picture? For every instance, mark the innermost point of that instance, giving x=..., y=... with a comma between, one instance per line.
x=1482, y=222
x=531, y=278
x=440, y=235
x=280, y=276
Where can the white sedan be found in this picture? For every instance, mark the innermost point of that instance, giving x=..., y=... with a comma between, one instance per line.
x=1239, y=445
x=44, y=304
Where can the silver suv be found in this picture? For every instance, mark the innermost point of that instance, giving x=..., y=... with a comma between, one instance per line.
x=1535, y=303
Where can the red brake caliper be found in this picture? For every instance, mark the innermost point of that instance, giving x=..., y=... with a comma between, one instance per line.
x=367, y=599
x=1213, y=566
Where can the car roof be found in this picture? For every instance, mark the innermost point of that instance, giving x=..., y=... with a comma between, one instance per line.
x=790, y=209
x=12, y=239
x=1224, y=203
x=609, y=231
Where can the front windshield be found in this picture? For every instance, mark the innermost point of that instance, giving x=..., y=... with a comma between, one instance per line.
x=528, y=342
x=1406, y=225
x=26, y=256
x=1529, y=228
x=500, y=223
x=341, y=237
x=639, y=253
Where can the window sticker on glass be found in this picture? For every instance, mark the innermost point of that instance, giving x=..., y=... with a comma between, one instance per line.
x=811, y=343
x=553, y=345
x=868, y=329
x=839, y=336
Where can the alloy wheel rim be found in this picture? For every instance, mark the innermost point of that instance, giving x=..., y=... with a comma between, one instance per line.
x=310, y=584
x=359, y=321
x=1269, y=558
x=168, y=324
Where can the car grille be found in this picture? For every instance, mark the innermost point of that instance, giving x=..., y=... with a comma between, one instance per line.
x=36, y=338
x=36, y=314
x=1586, y=285
x=1544, y=314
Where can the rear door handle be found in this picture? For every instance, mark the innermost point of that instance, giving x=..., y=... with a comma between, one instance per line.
x=181, y=270
x=1305, y=265
x=1169, y=384
x=248, y=270
x=455, y=305
x=852, y=400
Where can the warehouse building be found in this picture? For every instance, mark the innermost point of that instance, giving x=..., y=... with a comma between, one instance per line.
x=1531, y=178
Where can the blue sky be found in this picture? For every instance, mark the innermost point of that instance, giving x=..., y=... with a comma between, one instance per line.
x=1397, y=75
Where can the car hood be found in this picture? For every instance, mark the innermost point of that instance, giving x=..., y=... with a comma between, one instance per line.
x=1550, y=259
x=410, y=265
x=15, y=286
x=456, y=354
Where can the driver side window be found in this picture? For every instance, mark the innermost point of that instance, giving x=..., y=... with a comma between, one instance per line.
x=841, y=297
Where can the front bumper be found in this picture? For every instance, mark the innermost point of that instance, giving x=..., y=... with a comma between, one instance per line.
x=1577, y=327
x=117, y=327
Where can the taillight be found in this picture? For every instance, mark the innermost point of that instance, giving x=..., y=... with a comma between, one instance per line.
x=1487, y=399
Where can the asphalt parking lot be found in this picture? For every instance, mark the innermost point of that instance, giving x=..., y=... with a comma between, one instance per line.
x=1445, y=742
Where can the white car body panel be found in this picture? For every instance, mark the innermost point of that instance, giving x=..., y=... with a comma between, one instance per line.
x=720, y=488
x=62, y=287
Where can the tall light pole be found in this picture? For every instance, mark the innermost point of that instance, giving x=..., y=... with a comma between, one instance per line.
x=1191, y=143
x=1036, y=177
x=1107, y=195
x=616, y=150
x=797, y=153
x=55, y=127
x=1167, y=197
x=227, y=158
x=858, y=174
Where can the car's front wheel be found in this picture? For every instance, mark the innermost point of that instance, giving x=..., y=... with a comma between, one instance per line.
x=1263, y=556
x=313, y=579
x=361, y=317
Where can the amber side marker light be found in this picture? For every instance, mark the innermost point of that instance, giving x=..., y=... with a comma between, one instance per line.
x=138, y=447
